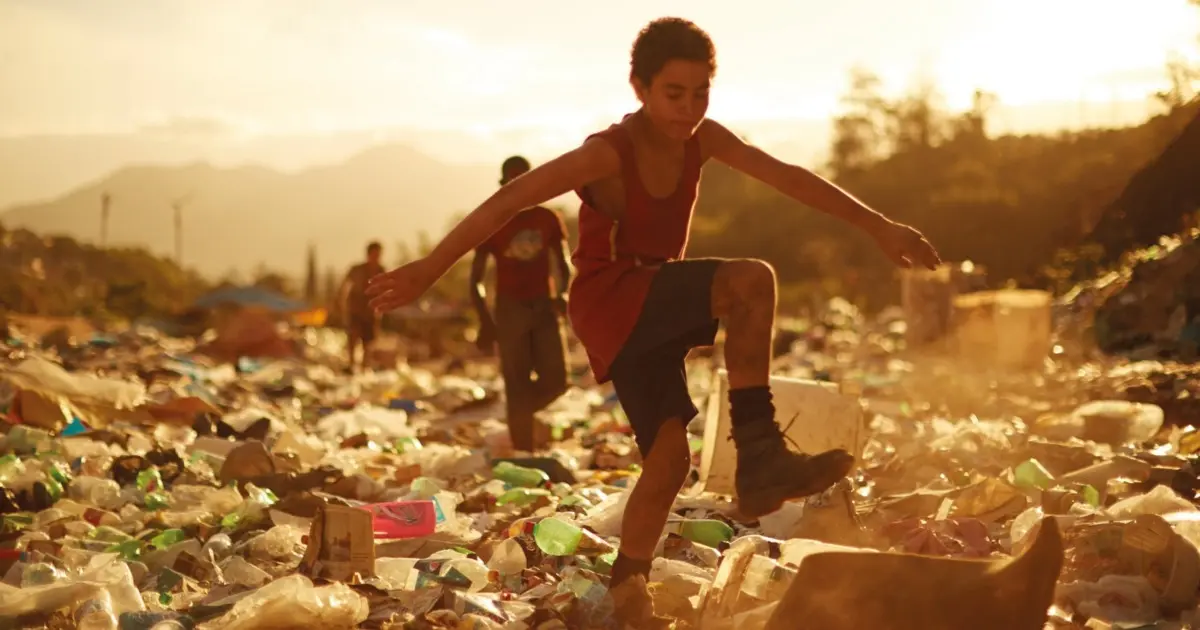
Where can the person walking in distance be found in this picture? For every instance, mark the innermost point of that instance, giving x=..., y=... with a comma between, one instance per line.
x=638, y=307
x=529, y=305
x=360, y=321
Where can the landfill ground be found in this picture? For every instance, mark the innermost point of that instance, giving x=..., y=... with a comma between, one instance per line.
x=148, y=486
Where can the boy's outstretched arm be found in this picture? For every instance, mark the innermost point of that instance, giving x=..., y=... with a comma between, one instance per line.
x=593, y=161
x=904, y=245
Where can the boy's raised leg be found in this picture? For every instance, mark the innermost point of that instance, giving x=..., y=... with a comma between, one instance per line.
x=768, y=473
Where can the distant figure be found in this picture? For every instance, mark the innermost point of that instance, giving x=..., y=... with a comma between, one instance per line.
x=529, y=309
x=361, y=323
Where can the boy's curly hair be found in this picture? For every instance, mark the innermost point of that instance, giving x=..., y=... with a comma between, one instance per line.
x=667, y=39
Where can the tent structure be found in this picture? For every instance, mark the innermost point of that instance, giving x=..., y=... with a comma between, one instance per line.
x=250, y=297
x=245, y=319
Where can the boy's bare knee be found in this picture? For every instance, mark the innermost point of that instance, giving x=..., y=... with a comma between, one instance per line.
x=743, y=283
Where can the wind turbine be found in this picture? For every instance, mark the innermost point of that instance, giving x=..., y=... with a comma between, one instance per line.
x=177, y=206
x=105, y=203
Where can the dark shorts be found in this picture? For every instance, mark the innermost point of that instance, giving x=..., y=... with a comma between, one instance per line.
x=362, y=326
x=649, y=373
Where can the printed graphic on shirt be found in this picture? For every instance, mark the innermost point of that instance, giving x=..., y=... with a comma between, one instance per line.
x=526, y=245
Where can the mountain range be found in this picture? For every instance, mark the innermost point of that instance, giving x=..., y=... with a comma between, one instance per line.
x=241, y=218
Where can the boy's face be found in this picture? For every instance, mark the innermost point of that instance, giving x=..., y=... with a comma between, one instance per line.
x=374, y=254
x=677, y=98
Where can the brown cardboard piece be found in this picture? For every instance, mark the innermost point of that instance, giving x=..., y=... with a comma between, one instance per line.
x=38, y=411
x=853, y=591
x=341, y=543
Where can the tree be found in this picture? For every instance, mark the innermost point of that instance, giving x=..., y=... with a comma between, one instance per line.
x=332, y=283
x=858, y=132
x=310, y=277
x=916, y=121
x=266, y=279
x=1182, y=78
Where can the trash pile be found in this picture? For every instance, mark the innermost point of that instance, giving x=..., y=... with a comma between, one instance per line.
x=146, y=486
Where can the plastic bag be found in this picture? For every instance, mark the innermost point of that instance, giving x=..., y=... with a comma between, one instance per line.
x=293, y=602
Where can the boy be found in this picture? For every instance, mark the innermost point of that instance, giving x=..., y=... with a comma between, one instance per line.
x=527, y=326
x=638, y=308
x=360, y=321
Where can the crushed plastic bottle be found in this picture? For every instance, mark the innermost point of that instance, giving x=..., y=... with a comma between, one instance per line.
x=519, y=476
x=704, y=531
x=1031, y=475
x=556, y=537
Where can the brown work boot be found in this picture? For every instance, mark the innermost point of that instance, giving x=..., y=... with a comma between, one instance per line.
x=768, y=474
x=634, y=608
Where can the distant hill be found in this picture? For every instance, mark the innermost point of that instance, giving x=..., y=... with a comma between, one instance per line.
x=241, y=218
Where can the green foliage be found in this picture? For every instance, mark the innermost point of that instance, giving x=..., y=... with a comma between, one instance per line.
x=1009, y=203
x=60, y=277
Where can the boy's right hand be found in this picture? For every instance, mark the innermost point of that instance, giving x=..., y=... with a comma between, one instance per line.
x=403, y=285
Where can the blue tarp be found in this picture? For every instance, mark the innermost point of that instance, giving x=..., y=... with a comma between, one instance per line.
x=250, y=296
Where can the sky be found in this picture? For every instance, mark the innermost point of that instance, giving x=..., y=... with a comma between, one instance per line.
x=551, y=69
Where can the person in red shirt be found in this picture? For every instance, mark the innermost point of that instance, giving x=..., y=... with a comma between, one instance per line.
x=529, y=305
x=361, y=324
x=638, y=307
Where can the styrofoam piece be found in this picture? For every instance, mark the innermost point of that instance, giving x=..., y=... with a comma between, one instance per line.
x=825, y=418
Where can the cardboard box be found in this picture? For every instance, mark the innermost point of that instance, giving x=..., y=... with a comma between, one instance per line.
x=341, y=543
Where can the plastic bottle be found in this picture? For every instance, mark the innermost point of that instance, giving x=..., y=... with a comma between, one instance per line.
x=109, y=534
x=477, y=575
x=704, y=531
x=252, y=509
x=40, y=574
x=103, y=493
x=403, y=519
x=96, y=613
x=26, y=439
x=1031, y=475
x=11, y=467
x=508, y=558
x=406, y=444
x=765, y=579
x=129, y=550
x=556, y=537
x=220, y=545
x=149, y=480
x=520, y=476
x=521, y=496
x=760, y=545
x=167, y=538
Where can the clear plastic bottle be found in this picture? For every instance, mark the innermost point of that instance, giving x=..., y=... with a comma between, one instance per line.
x=96, y=613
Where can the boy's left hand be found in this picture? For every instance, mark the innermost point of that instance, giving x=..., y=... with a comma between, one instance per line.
x=906, y=246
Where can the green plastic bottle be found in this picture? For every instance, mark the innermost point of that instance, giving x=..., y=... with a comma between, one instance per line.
x=168, y=537
x=704, y=531
x=521, y=496
x=149, y=480
x=520, y=476
x=1031, y=475
x=556, y=537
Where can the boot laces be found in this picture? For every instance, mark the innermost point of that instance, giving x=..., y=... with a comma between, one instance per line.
x=782, y=432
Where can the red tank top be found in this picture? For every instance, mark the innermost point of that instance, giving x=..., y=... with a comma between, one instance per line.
x=615, y=261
